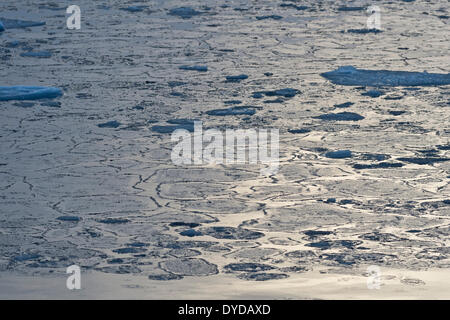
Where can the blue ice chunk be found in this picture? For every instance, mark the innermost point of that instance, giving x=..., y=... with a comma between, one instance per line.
x=171, y=128
x=286, y=92
x=28, y=93
x=26, y=257
x=345, y=8
x=296, y=131
x=16, y=24
x=364, y=31
x=351, y=76
x=373, y=93
x=274, y=17
x=2, y=27
x=24, y=104
x=277, y=100
x=234, y=111
x=381, y=165
x=291, y=5
x=114, y=220
x=232, y=102
x=36, y=54
x=69, y=218
x=341, y=116
x=195, y=68
x=182, y=121
x=12, y=43
x=344, y=105
x=190, y=233
x=109, y=124
x=237, y=78
x=423, y=161
x=340, y=154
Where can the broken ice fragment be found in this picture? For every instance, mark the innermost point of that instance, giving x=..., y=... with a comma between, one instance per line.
x=344, y=105
x=381, y=165
x=16, y=24
x=364, y=31
x=340, y=154
x=344, y=8
x=291, y=5
x=423, y=161
x=373, y=93
x=69, y=218
x=351, y=76
x=247, y=267
x=178, y=124
x=36, y=54
x=190, y=233
x=263, y=276
x=195, y=68
x=304, y=130
x=237, y=78
x=341, y=116
x=109, y=124
x=286, y=92
x=28, y=93
x=232, y=111
x=274, y=17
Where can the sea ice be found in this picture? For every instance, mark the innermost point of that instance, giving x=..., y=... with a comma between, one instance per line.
x=176, y=124
x=263, y=276
x=351, y=76
x=189, y=267
x=381, y=165
x=372, y=93
x=134, y=8
x=344, y=105
x=195, y=68
x=28, y=93
x=340, y=154
x=274, y=17
x=36, y=54
x=237, y=78
x=291, y=5
x=295, y=131
x=364, y=31
x=341, y=116
x=232, y=233
x=286, y=92
x=109, y=124
x=234, y=111
x=190, y=233
x=247, y=267
x=16, y=24
x=184, y=12
x=344, y=8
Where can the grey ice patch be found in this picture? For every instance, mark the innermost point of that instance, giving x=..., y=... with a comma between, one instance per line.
x=189, y=267
x=231, y=233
